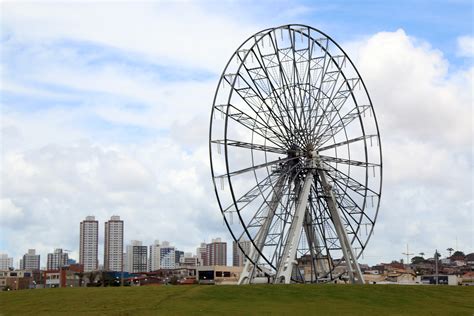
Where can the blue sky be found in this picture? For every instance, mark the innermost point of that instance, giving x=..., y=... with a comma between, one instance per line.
x=105, y=110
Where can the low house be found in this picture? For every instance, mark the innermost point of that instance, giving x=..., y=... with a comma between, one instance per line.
x=468, y=278
x=16, y=279
x=443, y=279
x=218, y=274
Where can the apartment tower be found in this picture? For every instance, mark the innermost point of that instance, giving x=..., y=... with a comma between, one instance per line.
x=89, y=244
x=113, y=244
x=216, y=253
x=30, y=261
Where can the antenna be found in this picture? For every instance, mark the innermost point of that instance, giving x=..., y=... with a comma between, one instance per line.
x=408, y=254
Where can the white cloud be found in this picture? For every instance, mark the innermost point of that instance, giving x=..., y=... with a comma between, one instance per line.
x=181, y=33
x=9, y=212
x=466, y=46
x=425, y=118
x=56, y=169
x=414, y=95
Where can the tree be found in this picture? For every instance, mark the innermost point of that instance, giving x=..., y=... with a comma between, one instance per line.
x=417, y=259
x=450, y=250
x=92, y=276
x=80, y=275
x=458, y=254
x=422, y=254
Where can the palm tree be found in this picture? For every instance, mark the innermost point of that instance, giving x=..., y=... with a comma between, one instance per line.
x=450, y=250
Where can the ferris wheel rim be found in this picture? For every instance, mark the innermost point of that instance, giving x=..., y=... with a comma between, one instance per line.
x=266, y=31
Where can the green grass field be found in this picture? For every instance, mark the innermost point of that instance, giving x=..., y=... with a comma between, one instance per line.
x=243, y=300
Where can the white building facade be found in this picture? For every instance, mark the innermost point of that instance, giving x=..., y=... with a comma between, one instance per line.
x=30, y=261
x=167, y=256
x=89, y=244
x=113, y=244
x=154, y=261
x=201, y=253
x=57, y=259
x=5, y=262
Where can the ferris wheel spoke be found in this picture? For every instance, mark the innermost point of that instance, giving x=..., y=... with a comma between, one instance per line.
x=256, y=126
x=267, y=164
x=321, y=75
x=347, y=207
x=267, y=183
x=346, y=142
x=297, y=83
x=332, y=130
x=348, y=181
x=254, y=192
x=335, y=103
x=345, y=90
x=251, y=146
x=247, y=94
x=261, y=73
x=349, y=225
x=279, y=102
x=285, y=78
x=348, y=161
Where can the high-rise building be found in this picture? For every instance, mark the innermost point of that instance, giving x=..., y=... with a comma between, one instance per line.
x=30, y=261
x=57, y=259
x=113, y=244
x=238, y=257
x=136, y=257
x=5, y=262
x=89, y=244
x=178, y=257
x=201, y=253
x=167, y=256
x=154, y=257
x=216, y=253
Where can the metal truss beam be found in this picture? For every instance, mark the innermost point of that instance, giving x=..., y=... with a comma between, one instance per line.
x=287, y=261
x=350, y=258
x=248, y=273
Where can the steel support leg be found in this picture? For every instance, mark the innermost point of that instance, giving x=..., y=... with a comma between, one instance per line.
x=353, y=267
x=314, y=246
x=249, y=270
x=287, y=261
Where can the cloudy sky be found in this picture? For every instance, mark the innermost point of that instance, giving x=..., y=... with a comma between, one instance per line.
x=105, y=110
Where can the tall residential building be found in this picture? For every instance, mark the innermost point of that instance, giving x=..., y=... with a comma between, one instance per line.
x=30, y=261
x=154, y=256
x=5, y=262
x=57, y=259
x=167, y=256
x=136, y=257
x=113, y=244
x=216, y=253
x=89, y=244
x=201, y=253
x=238, y=257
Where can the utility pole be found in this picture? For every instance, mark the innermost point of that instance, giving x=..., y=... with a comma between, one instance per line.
x=436, y=265
x=408, y=254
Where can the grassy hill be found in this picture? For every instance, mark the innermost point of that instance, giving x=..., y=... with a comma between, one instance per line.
x=243, y=300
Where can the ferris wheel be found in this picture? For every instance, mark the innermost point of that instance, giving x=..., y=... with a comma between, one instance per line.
x=296, y=158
